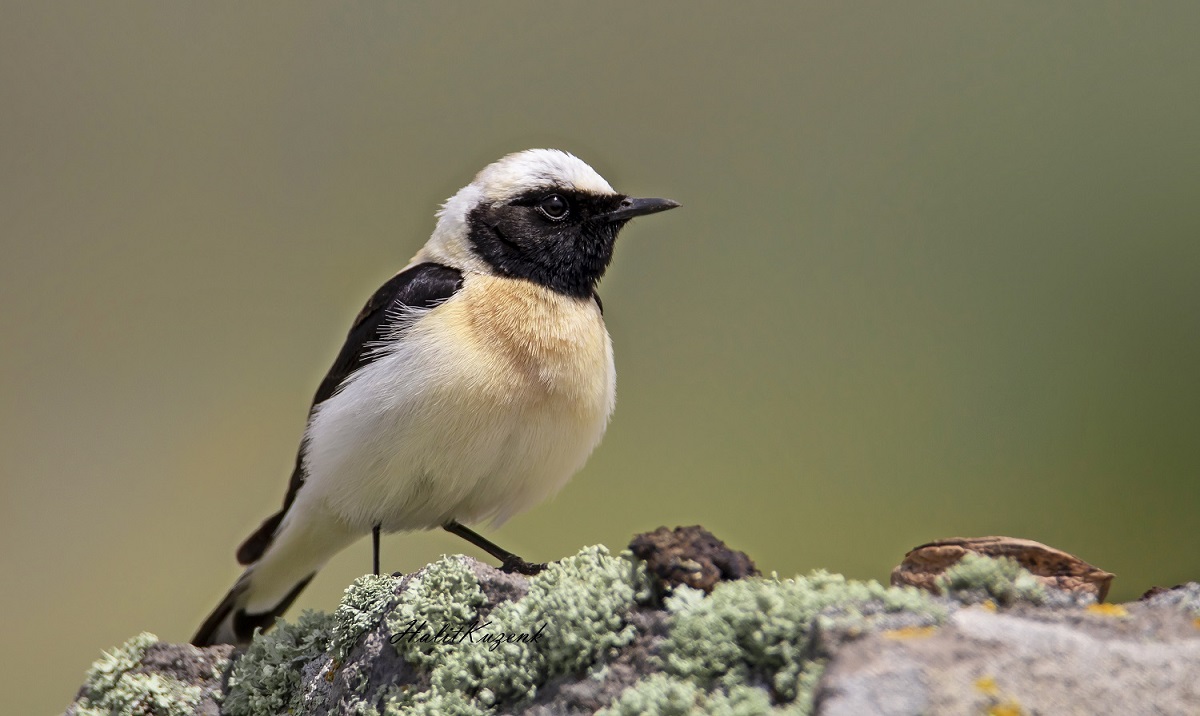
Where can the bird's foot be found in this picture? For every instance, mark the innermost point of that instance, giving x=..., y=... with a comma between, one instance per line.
x=513, y=563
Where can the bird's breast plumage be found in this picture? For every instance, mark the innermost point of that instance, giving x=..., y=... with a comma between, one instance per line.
x=551, y=348
x=482, y=407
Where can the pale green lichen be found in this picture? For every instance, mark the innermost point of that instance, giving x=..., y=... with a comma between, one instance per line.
x=574, y=613
x=767, y=630
x=977, y=578
x=107, y=671
x=433, y=702
x=442, y=597
x=755, y=646
x=720, y=652
x=363, y=604
x=112, y=690
x=266, y=679
x=665, y=695
x=583, y=602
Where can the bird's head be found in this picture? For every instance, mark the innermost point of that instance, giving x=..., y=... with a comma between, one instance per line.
x=541, y=215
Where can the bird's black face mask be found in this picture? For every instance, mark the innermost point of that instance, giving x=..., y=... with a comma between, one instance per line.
x=556, y=238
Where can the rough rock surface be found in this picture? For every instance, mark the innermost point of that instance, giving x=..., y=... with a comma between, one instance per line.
x=146, y=676
x=997, y=642
x=1126, y=660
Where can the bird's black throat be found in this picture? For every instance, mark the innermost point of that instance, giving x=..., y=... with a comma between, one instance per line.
x=568, y=256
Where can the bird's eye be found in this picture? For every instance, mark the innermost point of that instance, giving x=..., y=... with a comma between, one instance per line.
x=554, y=207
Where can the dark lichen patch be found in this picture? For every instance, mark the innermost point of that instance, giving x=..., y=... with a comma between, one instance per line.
x=689, y=556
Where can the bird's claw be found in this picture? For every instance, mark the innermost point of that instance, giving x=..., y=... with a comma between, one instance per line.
x=513, y=563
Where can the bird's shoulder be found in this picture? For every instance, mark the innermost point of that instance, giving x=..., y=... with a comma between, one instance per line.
x=420, y=286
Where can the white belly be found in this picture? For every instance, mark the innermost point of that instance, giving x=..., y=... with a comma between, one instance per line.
x=488, y=405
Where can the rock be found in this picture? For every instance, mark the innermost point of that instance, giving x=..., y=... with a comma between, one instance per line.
x=1135, y=660
x=146, y=676
x=591, y=635
x=1153, y=592
x=1054, y=568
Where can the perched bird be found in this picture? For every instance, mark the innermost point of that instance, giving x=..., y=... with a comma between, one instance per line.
x=472, y=385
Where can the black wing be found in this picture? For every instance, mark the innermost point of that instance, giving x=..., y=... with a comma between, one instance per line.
x=422, y=286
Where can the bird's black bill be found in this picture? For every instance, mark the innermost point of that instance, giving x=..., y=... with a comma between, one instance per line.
x=630, y=208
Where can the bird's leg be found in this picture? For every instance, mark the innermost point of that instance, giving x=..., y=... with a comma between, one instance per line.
x=509, y=562
x=375, y=544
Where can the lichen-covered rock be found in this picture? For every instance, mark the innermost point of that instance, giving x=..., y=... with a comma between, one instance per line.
x=777, y=633
x=661, y=694
x=145, y=676
x=1184, y=596
x=590, y=635
x=267, y=678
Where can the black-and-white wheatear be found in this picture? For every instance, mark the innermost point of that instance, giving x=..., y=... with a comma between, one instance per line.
x=472, y=386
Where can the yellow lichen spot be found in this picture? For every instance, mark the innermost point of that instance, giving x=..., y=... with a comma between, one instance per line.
x=1108, y=610
x=910, y=632
x=1008, y=708
x=1196, y=622
x=987, y=685
x=989, y=605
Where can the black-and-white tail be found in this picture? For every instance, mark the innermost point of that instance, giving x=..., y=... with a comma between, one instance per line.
x=285, y=552
x=230, y=623
x=282, y=557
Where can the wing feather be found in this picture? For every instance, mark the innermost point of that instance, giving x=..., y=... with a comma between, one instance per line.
x=422, y=286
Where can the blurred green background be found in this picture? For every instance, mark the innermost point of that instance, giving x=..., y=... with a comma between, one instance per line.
x=937, y=273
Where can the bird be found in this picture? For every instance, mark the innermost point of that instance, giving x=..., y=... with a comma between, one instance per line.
x=471, y=386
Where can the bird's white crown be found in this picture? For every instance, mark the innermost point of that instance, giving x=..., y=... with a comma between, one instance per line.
x=500, y=181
